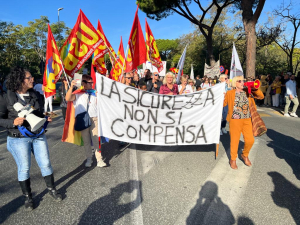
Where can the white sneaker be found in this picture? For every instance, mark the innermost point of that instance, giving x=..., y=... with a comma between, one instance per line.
x=286, y=115
x=101, y=163
x=221, y=132
x=89, y=162
x=293, y=115
x=224, y=130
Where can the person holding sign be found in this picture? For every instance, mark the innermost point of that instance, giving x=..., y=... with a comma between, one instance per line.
x=239, y=119
x=169, y=86
x=85, y=100
x=185, y=88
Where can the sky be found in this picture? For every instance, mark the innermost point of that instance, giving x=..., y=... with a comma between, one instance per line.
x=116, y=16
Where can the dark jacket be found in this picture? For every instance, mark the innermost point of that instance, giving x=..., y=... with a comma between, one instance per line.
x=151, y=88
x=198, y=83
x=10, y=99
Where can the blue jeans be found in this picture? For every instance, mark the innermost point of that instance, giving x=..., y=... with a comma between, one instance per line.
x=21, y=149
x=224, y=115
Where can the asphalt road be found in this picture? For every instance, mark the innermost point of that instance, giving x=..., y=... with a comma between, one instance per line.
x=163, y=185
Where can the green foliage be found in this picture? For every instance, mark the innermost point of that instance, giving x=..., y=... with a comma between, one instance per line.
x=26, y=46
x=159, y=9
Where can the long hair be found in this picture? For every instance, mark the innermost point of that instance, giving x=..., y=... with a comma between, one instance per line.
x=165, y=78
x=16, y=78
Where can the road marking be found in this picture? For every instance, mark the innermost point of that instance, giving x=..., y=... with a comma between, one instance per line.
x=231, y=185
x=264, y=115
x=137, y=213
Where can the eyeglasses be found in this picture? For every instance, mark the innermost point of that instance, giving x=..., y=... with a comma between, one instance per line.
x=87, y=82
x=129, y=77
x=29, y=78
x=240, y=81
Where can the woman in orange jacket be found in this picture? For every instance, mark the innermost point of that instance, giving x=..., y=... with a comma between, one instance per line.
x=239, y=119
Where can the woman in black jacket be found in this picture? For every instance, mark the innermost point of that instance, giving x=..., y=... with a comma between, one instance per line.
x=21, y=140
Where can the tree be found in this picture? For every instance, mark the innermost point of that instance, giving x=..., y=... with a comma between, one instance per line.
x=166, y=47
x=250, y=19
x=35, y=37
x=289, y=41
x=158, y=9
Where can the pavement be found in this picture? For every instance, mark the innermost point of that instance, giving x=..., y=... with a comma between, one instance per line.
x=163, y=185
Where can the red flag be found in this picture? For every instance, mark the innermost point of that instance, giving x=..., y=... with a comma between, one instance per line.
x=152, y=51
x=116, y=72
x=80, y=45
x=137, y=48
x=100, y=52
x=53, y=67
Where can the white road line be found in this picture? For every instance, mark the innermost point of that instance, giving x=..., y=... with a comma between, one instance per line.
x=137, y=213
x=231, y=185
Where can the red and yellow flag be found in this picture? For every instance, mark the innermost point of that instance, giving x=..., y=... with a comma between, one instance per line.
x=152, y=51
x=137, y=48
x=116, y=72
x=80, y=45
x=103, y=48
x=53, y=67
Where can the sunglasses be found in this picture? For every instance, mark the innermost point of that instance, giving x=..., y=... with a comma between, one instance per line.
x=240, y=81
x=155, y=74
x=129, y=77
x=87, y=82
x=226, y=78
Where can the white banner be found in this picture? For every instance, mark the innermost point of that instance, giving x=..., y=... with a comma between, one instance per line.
x=131, y=115
x=148, y=65
x=212, y=71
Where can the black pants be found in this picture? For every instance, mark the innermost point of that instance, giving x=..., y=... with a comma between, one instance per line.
x=64, y=110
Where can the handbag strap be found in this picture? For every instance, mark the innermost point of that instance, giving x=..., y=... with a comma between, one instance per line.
x=87, y=107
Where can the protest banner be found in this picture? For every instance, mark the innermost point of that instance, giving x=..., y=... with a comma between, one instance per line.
x=131, y=115
x=212, y=71
x=148, y=65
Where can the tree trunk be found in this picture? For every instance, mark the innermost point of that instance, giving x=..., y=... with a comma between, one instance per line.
x=250, y=32
x=210, y=54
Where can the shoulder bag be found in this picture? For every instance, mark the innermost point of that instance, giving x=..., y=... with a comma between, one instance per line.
x=258, y=126
x=83, y=120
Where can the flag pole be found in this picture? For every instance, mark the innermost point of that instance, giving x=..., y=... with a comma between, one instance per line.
x=65, y=73
x=126, y=54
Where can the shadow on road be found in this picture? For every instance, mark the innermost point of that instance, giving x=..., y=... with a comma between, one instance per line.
x=286, y=195
x=111, y=149
x=209, y=208
x=13, y=206
x=181, y=148
x=279, y=143
x=108, y=209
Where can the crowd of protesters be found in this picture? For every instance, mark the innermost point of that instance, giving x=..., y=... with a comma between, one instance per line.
x=19, y=88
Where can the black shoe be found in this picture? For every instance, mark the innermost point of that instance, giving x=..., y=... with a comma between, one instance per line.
x=49, y=180
x=28, y=202
x=55, y=194
x=25, y=186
